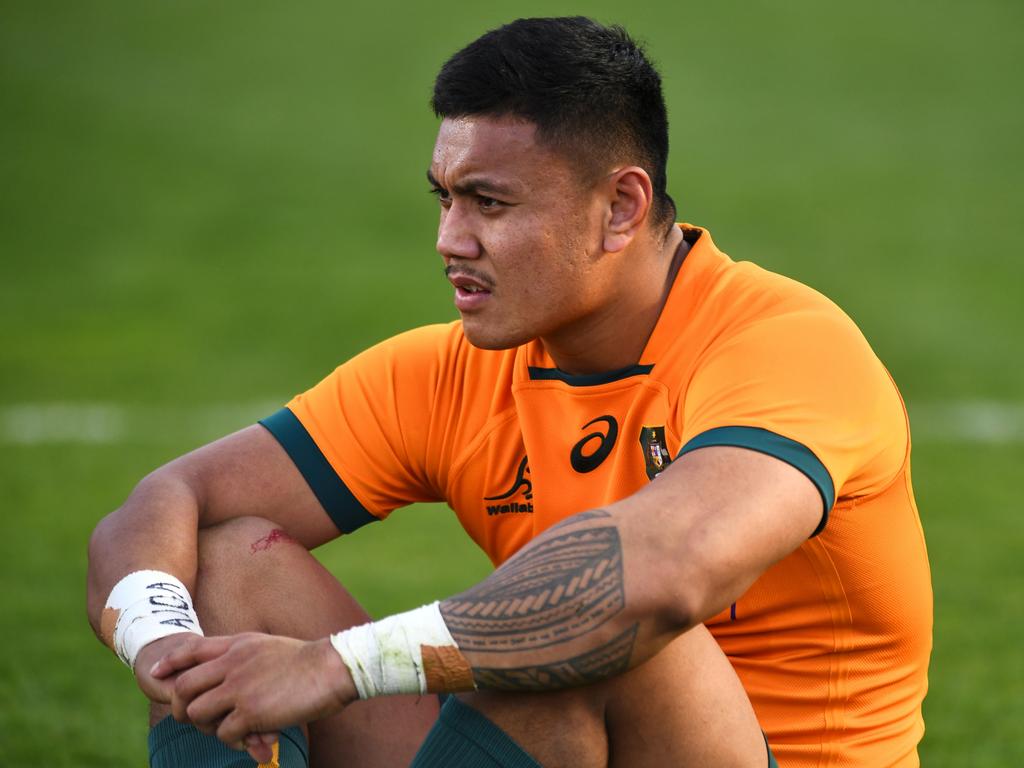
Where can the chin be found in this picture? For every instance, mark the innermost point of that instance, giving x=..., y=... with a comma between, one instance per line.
x=493, y=338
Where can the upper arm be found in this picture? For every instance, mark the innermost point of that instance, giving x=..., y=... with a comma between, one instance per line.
x=344, y=453
x=710, y=524
x=781, y=418
x=249, y=473
x=374, y=435
x=806, y=388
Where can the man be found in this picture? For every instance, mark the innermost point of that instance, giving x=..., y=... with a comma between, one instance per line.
x=645, y=436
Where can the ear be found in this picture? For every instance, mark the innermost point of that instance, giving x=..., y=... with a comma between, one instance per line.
x=631, y=195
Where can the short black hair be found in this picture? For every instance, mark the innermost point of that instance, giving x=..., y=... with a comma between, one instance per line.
x=589, y=89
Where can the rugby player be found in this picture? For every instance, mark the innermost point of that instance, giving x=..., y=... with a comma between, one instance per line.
x=693, y=477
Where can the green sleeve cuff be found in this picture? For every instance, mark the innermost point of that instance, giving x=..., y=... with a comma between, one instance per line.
x=337, y=500
x=793, y=453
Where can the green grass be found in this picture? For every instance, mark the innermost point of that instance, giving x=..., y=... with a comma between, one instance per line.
x=205, y=204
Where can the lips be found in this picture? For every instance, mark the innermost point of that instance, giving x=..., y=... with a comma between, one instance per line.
x=471, y=291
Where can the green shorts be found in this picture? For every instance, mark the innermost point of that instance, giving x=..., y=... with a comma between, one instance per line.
x=461, y=738
x=173, y=745
x=464, y=738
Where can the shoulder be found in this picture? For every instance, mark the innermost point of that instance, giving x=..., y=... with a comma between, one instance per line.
x=436, y=362
x=715, y=297
x=740, y=299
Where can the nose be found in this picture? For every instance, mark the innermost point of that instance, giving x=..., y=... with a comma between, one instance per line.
x=455, y=236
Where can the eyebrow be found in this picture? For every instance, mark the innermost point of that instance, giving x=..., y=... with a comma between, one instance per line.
x=472, y=186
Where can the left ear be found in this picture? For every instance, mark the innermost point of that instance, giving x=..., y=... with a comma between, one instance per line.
x=631, y=196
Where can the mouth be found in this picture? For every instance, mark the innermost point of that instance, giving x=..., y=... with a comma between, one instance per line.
x=472, y=290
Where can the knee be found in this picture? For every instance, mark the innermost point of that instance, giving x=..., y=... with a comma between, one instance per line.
x=564, y=727
x=234, y=544
x=240, y=556
x=253, y=576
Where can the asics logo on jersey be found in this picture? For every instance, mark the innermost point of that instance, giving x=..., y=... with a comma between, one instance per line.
x=588, y=462
x=521, y=483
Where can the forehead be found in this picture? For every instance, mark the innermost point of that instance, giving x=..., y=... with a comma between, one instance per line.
x=499, y=147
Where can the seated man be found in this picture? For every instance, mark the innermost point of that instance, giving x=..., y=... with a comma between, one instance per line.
x=666, y=454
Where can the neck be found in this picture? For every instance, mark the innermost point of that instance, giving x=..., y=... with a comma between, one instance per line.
x=614, y=336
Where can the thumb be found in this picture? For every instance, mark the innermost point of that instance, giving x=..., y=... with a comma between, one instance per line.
x=262, y=747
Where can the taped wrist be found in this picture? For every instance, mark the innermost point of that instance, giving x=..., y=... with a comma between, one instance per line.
x=145, y=606
x=410, y=652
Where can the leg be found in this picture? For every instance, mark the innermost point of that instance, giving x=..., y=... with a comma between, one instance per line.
x=252, y=577
x=684, y=707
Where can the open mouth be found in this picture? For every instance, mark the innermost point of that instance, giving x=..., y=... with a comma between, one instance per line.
x=471, y=290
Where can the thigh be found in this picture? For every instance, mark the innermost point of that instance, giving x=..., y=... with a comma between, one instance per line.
x=252, y=577
x=685, y=706
x=558, y=729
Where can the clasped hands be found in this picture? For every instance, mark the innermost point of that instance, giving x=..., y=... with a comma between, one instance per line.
x=245, y=688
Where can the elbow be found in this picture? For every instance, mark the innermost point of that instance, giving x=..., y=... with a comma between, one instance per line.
x=147, y=507
x=680, y=610
x=673, y=599
x=681, y=591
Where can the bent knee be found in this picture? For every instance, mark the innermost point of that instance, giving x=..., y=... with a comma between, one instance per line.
x=227, y=542
x=565, y=727
x=236, y=554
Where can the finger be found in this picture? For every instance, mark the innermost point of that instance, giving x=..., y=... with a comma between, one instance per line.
x=210, y=729
x=192, y=683
x=196, y=651
x=260, y=746
x=233, y=730
x=158, y=691
x=208, y=710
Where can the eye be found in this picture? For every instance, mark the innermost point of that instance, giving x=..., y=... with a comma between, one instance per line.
x=442, y=195
x=487, y=203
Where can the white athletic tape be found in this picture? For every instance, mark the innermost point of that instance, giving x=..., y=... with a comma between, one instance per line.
x=410, y=652
x=148, y=605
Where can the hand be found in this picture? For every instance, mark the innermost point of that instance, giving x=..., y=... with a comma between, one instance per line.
x=158, y=690
x=240, y=686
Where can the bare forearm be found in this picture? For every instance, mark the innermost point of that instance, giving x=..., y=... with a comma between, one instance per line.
x=155, y=528
x=568, y=610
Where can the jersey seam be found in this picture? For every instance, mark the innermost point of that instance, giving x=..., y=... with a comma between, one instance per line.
x=835, y=710
x=459, y=465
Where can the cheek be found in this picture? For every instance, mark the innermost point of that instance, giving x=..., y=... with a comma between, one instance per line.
x=541, y=252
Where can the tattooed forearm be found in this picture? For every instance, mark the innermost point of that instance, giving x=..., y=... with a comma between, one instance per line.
x=610, y=659
x=565, y=584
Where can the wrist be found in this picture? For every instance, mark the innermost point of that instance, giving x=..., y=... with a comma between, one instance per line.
x=411, y=652
x=143, y=607
x=342, y=688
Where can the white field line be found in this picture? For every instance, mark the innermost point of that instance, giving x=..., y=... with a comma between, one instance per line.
x=117, y=423
x=970, y=421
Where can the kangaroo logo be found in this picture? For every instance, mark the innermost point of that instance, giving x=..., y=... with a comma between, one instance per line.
x=521, y=481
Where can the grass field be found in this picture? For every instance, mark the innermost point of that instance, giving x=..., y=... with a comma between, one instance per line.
x=205, y=207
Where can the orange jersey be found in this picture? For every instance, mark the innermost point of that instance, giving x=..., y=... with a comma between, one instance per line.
x=831, y=643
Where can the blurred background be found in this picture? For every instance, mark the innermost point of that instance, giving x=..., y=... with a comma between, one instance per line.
x=205, y=207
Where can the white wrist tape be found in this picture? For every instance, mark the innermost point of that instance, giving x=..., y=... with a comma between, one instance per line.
x=145, y=606
x=410, y=652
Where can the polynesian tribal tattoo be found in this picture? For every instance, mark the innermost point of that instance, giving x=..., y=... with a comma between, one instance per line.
x=590, y=667
x=564, y=585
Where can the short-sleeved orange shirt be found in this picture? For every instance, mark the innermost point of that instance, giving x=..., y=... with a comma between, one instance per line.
x=832, y=643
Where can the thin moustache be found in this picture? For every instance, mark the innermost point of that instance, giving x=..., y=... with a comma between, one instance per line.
x=452, y=271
